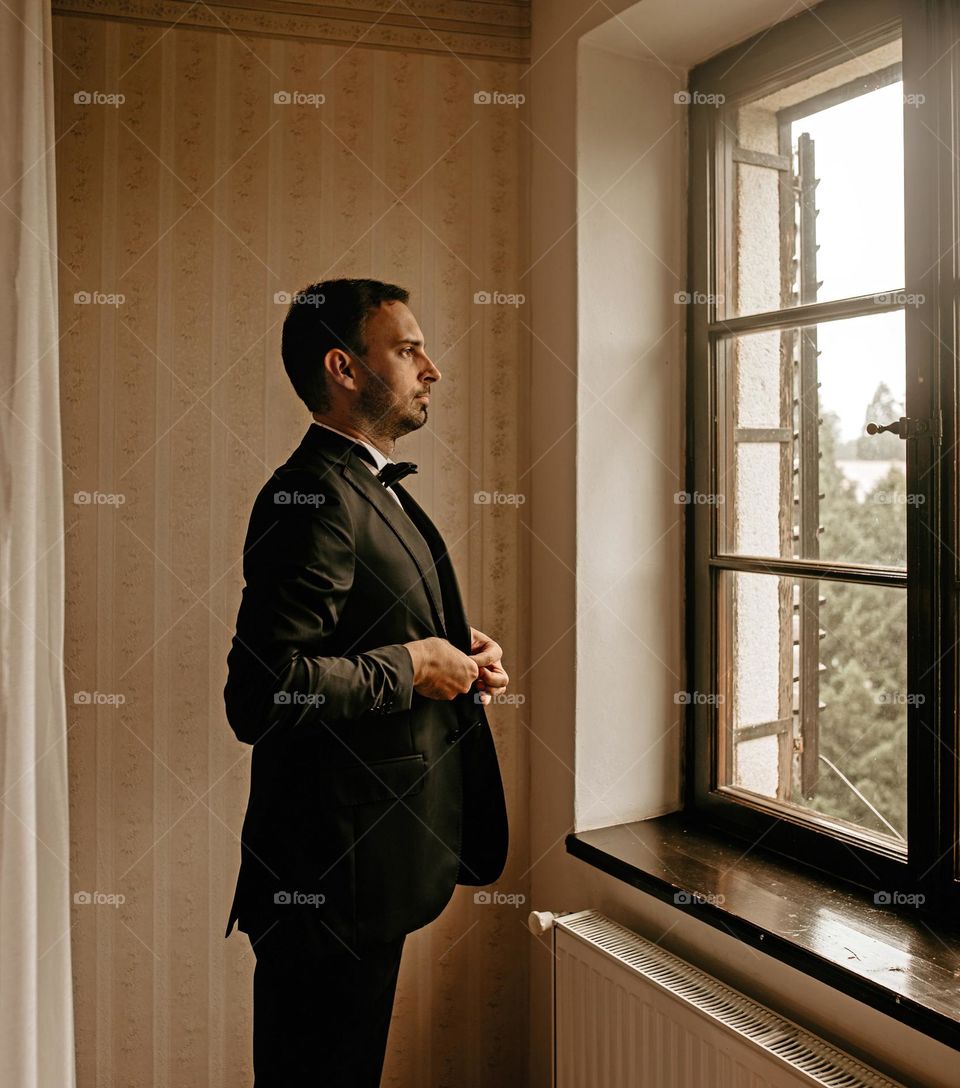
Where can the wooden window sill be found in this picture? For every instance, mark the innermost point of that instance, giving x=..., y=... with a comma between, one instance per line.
x=890, y=958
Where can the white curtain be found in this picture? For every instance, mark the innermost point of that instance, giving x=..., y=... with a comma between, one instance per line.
x=36, y=1005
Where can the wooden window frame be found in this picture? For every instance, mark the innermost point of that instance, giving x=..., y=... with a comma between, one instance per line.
x=818, y=39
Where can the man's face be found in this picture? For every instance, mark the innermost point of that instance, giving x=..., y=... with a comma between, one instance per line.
x=395, y=381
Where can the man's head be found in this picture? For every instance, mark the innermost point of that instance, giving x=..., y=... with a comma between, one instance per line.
x=355, y=355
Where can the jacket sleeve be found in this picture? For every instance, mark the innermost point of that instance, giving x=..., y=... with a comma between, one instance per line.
x=299, y=570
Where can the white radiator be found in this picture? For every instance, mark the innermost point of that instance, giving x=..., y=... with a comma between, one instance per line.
x=629, y=1014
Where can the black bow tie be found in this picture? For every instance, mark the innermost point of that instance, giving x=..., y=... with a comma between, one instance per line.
x=390, y=473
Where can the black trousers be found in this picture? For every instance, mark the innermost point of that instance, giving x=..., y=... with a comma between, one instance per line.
x=321, y=1021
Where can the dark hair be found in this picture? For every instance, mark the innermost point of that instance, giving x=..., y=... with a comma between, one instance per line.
x=330, y=314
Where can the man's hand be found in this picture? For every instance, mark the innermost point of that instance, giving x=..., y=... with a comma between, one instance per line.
x=492, y=677
x=441, y=671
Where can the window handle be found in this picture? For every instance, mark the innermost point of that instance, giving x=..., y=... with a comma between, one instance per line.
x=906, y=427
x=898, y=426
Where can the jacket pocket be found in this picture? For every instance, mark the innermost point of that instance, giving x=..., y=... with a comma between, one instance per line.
x=363, y=783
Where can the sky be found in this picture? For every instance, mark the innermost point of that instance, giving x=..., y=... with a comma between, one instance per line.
x=858, y=148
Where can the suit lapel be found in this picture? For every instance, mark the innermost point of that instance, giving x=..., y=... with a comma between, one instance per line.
x=411, y=525
x=367, y=485
x=470, y=711
x=458, y=628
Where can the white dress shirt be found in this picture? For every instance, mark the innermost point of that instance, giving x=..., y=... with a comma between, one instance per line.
x=380, y=459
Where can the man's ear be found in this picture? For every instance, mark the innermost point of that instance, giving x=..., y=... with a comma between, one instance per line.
x=340, y=366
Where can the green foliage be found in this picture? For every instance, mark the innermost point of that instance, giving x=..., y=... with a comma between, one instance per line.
x=864, y=687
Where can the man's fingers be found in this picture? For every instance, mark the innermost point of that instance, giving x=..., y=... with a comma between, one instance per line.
x=488, y=656
x=495, y=679
x=484, y=642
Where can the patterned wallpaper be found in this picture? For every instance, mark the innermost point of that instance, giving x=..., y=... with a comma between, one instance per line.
x=202, y=172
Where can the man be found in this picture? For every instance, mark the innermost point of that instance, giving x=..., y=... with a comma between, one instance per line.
x=374, y=786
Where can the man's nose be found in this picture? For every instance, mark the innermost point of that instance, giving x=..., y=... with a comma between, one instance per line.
x=432, y=374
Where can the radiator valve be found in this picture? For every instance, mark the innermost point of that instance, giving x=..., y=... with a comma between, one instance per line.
x=541, y=921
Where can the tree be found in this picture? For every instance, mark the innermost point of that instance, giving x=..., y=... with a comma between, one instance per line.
x=863, y=725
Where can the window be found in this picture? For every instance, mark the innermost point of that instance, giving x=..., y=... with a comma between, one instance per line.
x=822, y=551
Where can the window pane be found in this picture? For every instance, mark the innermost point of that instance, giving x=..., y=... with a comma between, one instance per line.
x=812, y=706
x=798, y=475
x=818, y=194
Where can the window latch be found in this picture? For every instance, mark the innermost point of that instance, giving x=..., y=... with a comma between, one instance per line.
x=906, y=427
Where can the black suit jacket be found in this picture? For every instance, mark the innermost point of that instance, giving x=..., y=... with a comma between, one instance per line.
x=368, y=802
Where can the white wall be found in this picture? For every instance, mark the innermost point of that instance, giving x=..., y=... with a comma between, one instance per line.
x=601, y=297
x=631, y=138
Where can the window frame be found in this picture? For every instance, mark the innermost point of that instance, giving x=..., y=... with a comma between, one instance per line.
x=815, y=40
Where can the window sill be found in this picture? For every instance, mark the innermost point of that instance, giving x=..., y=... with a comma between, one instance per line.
x=892, y=960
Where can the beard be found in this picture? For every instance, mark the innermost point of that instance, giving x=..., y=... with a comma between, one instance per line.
x=388, y=414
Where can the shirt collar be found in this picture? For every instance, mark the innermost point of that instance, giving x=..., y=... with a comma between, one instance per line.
x=380, y=459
